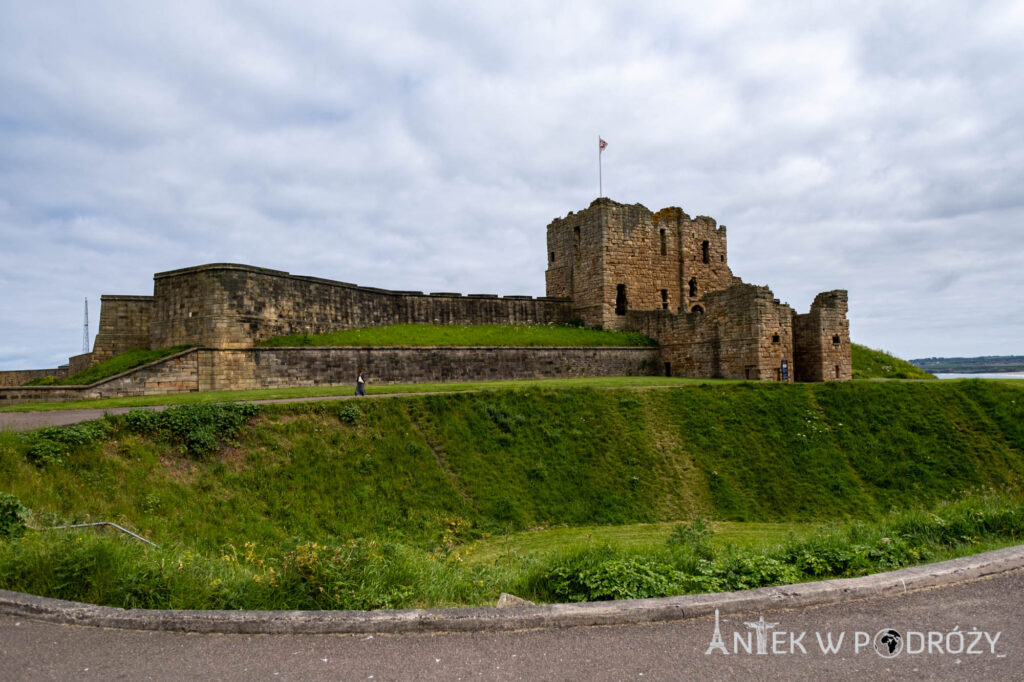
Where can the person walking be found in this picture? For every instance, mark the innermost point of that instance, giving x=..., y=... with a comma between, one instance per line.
x=360, y=384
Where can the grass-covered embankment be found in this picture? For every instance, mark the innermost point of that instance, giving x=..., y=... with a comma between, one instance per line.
x=127, y=360
x=869, y=363
x=333, y=494
x=465, y=335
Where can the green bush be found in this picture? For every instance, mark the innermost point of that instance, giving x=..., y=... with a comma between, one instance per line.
x=52, y=444
x=13, y=516
x=197, y=429
x=350, y=414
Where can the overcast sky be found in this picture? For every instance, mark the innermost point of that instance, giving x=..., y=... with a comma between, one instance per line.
x=876, y=147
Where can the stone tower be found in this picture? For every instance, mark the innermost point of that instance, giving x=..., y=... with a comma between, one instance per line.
x=612, y=258
x=666, y=274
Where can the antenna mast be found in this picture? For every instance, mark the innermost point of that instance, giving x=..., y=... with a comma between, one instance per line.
x=85, y=329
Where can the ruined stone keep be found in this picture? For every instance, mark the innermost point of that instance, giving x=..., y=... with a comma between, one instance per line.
x=613, y=265
x=667, y=274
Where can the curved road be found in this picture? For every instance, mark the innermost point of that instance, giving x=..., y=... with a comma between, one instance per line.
x=930, y=623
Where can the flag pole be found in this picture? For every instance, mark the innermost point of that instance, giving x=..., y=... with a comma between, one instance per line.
x=600, y=180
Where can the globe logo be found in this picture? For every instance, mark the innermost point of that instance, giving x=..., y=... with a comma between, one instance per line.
x=888, y=643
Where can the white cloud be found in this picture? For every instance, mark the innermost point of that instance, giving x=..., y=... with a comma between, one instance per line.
x=870, y=146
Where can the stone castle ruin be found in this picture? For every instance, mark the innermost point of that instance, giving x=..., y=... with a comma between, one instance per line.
x=612, y=265
x=667, y=275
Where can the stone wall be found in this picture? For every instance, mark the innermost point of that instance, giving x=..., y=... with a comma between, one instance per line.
x=823, y=339
x=234, y=306
x=744, y=333
x=174, y=374
x=17, y=377
x=612, y=258
x=236, y=369
x=124, y=324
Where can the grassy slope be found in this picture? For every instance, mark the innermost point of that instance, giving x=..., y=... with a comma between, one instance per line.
x=115, y=365
x=869, y=363
x=465, y=335
x=427, y=468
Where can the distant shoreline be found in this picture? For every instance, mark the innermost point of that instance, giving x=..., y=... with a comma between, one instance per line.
x=985, y=364
x=979, y=375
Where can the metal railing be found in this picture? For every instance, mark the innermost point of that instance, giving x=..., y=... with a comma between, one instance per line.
x=104, y=523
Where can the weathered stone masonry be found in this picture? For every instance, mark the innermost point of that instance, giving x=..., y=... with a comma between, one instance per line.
x=226, y=305
x=211, y=369
x=612, y=265
x=667, y=275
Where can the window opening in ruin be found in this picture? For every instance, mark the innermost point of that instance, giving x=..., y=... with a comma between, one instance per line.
x=664, y=299
x=664, y=249
x=778, y=374
x=722, y=258
x=696, y=309
x=746, y=372
x=835, y=340
x=837, y=371
x=705, y=248
x=552, y=256
x=668, y=369
x=693, y=287
x=620, y=299
x=775, y=338
x=576, y=231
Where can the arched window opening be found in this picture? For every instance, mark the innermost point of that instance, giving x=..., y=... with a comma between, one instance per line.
x=693, y=287
x=705, y=249
x=620, y=299
x=664, y=299
x=696, y=309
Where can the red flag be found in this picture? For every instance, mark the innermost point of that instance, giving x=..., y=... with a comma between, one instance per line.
x=601, y=144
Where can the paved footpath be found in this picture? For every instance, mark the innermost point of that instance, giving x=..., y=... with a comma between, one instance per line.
x=930, y=623
x=26, y=421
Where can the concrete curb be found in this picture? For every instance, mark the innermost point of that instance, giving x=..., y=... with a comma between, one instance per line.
x=519, y=618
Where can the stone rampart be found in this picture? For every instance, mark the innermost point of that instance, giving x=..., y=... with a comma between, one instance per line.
x=210, y=369
x=235, y=306
x=174, y=374
x=124, y=324
x=744, y=333
x=17, y=377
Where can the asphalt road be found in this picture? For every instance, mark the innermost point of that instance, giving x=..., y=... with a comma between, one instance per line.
x=983, y=611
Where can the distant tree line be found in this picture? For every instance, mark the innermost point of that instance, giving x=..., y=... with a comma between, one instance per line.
x=986, y=363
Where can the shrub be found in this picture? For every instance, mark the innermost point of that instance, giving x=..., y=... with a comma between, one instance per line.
x=13, y=516
x=197, y=429
x=350, y=414
x=693, y=538
x=52, y=445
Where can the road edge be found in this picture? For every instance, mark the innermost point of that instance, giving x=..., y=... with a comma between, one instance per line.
x=626, y=612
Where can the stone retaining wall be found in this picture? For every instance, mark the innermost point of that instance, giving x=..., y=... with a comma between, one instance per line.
x=17, y=377
x=210, y=369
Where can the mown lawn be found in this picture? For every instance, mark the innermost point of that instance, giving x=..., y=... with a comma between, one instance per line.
x=465, y=335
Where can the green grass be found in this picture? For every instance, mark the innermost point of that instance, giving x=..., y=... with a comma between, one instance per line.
x=377, y=501
x=314, y=392
x=127, y=360
x=876, y=364
x=465, y=335
x=636, y=536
